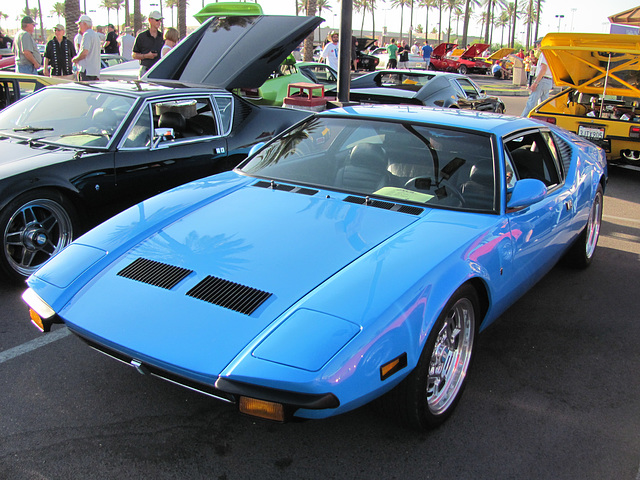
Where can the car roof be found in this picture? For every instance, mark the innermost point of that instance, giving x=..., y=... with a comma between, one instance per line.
x=488, y=122
x=138, y=88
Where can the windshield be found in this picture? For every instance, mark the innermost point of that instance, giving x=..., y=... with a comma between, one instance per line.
x=79, y=118
x=404, y=162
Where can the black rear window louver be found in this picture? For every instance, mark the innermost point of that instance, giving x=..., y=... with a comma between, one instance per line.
x=233, y=296
x=154, y=273
x=395, y=207
x=565, y=150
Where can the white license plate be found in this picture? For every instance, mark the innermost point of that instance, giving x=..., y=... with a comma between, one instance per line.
x=591, y=133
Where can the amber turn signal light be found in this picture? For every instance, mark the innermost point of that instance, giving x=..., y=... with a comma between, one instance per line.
x=261, y=408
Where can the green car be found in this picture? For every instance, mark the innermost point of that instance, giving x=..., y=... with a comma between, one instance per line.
x=274, y=90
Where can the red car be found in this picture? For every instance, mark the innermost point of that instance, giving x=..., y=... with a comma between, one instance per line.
x=439, y=60
x=469, y=62
x=8, y=61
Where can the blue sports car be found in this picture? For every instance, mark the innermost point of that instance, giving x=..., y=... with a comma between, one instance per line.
x=354, y=257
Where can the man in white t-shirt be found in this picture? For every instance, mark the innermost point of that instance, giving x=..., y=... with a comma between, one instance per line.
x=330, y=52
x=126, y=43
x=540, y=87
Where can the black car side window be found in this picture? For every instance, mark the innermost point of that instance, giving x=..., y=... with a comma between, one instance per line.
x=140, y=134
x=532, y=158
x=184, y=119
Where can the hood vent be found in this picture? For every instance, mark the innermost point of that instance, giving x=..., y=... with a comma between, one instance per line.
x=287, y=188
x=394, y=207
x=154, y=273
x=233, y=296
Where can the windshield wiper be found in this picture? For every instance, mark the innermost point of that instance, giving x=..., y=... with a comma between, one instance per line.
x=32, y=129
x=90, y=134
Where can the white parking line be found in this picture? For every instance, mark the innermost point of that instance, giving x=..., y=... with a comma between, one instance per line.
x=33, y=344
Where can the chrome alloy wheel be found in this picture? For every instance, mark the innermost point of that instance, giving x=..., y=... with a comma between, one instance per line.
x=593, y=226
x=36, y=231
x=451, y=356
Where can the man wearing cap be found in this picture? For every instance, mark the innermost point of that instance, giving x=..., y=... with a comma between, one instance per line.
x=149, y=43
x=58, y=54
x=126, y=41
x=330, y=51
x=28, y=58
x=111, y=43
x=88, y=58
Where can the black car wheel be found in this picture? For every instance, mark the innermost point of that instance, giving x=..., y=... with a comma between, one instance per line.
x=582, y=251
x=462, y=69
x=35, y=226
x=429, y=394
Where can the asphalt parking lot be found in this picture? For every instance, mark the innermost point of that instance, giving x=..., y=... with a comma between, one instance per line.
x=554, y=393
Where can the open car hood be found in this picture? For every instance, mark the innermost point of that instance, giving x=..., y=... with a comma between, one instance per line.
x=234, y=51
x=593, y=62
x=442, y=49
x=500, y=54
x=475, y=50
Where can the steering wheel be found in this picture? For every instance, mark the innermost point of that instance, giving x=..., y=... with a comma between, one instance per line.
x=443, y=182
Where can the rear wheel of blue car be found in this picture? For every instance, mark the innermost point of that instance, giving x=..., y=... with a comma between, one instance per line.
x=432, y=390
x=581, y=253
x=35, y=226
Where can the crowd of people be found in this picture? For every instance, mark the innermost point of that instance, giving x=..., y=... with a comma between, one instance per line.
x=80, y=59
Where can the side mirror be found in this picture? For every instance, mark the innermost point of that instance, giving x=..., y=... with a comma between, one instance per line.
x=526, y=192
x=162, y=135
x=256, y=147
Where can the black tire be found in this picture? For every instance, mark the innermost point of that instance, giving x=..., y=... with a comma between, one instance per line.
x=583, y=250
x=462, y=69
x=35, y=226
x=430, y=393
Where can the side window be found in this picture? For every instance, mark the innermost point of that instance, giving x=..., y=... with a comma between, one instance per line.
x=532, y=158
x=469, y=89
x=189, y=118
x=140, y=135
x=551, y=144
x=225, y=107
x=509, y=172
x=27, y=88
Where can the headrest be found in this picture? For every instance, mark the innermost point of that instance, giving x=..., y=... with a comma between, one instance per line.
x=173, y=120
x=481, y=174
x=368, y=155
x=103, y=116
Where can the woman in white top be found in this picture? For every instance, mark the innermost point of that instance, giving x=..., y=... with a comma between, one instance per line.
x=171, y=37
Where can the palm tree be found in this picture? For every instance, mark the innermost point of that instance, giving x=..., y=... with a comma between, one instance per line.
x=401, y=4
x=117, y=5
x=137, y=20
x=322, y=5
x=107, y=5
x=308, y=42
x=452, y=5
x=182, y=18
x=503, y=21
x=71, y=15
x=171, y=4
x=468, y=7
x=427, y=4
x=58, y=10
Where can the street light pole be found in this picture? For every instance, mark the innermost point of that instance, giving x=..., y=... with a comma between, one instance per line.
x=559, y=17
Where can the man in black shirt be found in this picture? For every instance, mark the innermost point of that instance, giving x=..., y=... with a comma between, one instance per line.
x=111, y=42
x=5, y=42
x=149, y=43
x=58, y=54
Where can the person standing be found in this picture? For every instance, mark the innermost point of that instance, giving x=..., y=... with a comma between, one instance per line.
x=403, y=51
x=111, y=42
x=88, y=58
x=28, y=58
x=540, y=87
x=149, y=43
x=330, y=51
x=392, y=50
x=126, y=43
x=171, y=37
x=427, y=50
x=102, y=36
x=5, y=42
x=58, y=54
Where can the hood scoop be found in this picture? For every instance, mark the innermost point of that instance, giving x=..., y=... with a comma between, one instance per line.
x=154, y=273
x=286, y=188
x=226, y=294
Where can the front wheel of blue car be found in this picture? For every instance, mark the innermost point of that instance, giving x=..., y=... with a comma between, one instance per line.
x=35, y=226
x=429, y=394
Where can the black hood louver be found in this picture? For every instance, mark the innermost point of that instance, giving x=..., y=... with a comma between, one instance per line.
x=154, y=273
x=394, y=207
x=286, y=188
x=233, y=296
